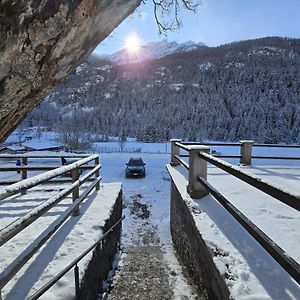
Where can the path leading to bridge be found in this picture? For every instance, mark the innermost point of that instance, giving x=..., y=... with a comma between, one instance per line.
x=148, y=269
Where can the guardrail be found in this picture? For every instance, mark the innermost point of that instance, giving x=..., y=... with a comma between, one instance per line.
x=198, y=186
x=23, y=163
x=246, y=147
x=21, y=223
x=74, y=263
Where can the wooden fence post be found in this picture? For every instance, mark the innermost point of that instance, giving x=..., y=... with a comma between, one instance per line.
x=246, y=152
x=97, y=174
x=75, y=193
x=197, y=168
x=24, y=173
x=175, y=150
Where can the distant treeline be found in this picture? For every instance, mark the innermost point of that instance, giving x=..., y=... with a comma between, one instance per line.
x=248, y=89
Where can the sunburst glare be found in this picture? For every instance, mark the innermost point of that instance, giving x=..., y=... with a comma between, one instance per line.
x=133, y=44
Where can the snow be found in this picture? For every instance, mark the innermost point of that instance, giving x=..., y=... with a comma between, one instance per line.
x=153, y=50
x=266, y=51
x=107, y=95
x=176, y=86
x=234, y=64
x=15, y=148
x=37, y=145
x=80, y=68
x=205, y=66
x=250, y=272
x=73, y=238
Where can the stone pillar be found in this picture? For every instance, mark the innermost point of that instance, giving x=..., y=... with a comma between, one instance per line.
x=246, y=152
x=197, y=168
x=175, y=150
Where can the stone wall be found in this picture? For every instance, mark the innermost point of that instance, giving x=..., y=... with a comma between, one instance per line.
x=193, y=252
x=103, y=256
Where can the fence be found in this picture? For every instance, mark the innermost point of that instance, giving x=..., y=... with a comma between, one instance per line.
x=246, y=149
x=198, y=186
x=77, y=179
x=74, y=265
x=108, y=149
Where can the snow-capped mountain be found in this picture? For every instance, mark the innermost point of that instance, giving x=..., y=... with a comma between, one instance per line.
x=153, y=50
x=244, y=89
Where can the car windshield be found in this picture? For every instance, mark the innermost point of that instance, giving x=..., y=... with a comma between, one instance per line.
x=135, y=162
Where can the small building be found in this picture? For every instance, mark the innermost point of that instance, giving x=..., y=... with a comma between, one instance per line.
x=42, y=146
x=12, y=149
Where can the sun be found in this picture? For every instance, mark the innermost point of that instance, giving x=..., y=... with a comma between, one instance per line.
x=133, y=44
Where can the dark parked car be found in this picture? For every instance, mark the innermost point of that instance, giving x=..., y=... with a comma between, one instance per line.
x=135, y=168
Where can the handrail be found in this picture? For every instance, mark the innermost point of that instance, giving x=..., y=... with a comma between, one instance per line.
x=21, y=223
x=182, y=146
x=211, y=144
x=7, y=274
x=33, y=181
x=239, y=144
x=185, y=164
x=199, y=187
x=36, y=168
x=276, y=157
x=281, y=195
x=288, y=263
x=74, y=263
x=40, y=155
x=18, y=225
x=276, y=145
x=253, y=157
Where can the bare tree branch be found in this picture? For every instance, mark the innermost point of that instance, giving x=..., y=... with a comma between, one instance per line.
x=164, y=8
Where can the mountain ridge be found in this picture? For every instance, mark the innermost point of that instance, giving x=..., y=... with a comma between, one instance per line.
x=150, y=51
x=243, y=90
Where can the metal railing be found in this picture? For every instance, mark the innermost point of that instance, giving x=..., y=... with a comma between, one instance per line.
x=198, y=187
x=12, y=229
x=74, y=263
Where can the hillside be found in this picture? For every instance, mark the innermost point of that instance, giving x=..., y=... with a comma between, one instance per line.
x=248, y=89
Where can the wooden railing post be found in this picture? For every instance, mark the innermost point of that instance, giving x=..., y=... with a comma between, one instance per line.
x=175, y=150
x=75, y=193
x=24, y=172
x=97, y=174
x=197, y=168
x=246, y=152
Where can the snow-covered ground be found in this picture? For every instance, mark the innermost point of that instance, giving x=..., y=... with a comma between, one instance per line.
x=275, y=219
x=72, y=239
x=154, y=191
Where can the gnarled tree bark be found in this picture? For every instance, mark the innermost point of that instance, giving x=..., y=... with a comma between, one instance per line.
x=42, y=41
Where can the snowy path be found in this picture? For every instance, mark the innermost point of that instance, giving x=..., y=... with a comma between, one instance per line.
x=148, y=268
x=143, y=275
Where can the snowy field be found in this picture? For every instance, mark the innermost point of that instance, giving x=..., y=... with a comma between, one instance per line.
x=275, y=219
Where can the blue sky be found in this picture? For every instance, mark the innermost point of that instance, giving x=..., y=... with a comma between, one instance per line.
x=216, y=22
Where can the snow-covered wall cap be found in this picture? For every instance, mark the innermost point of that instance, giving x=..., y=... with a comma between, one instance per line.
x=247, y=141
x=197, y=147
x=175, y=140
